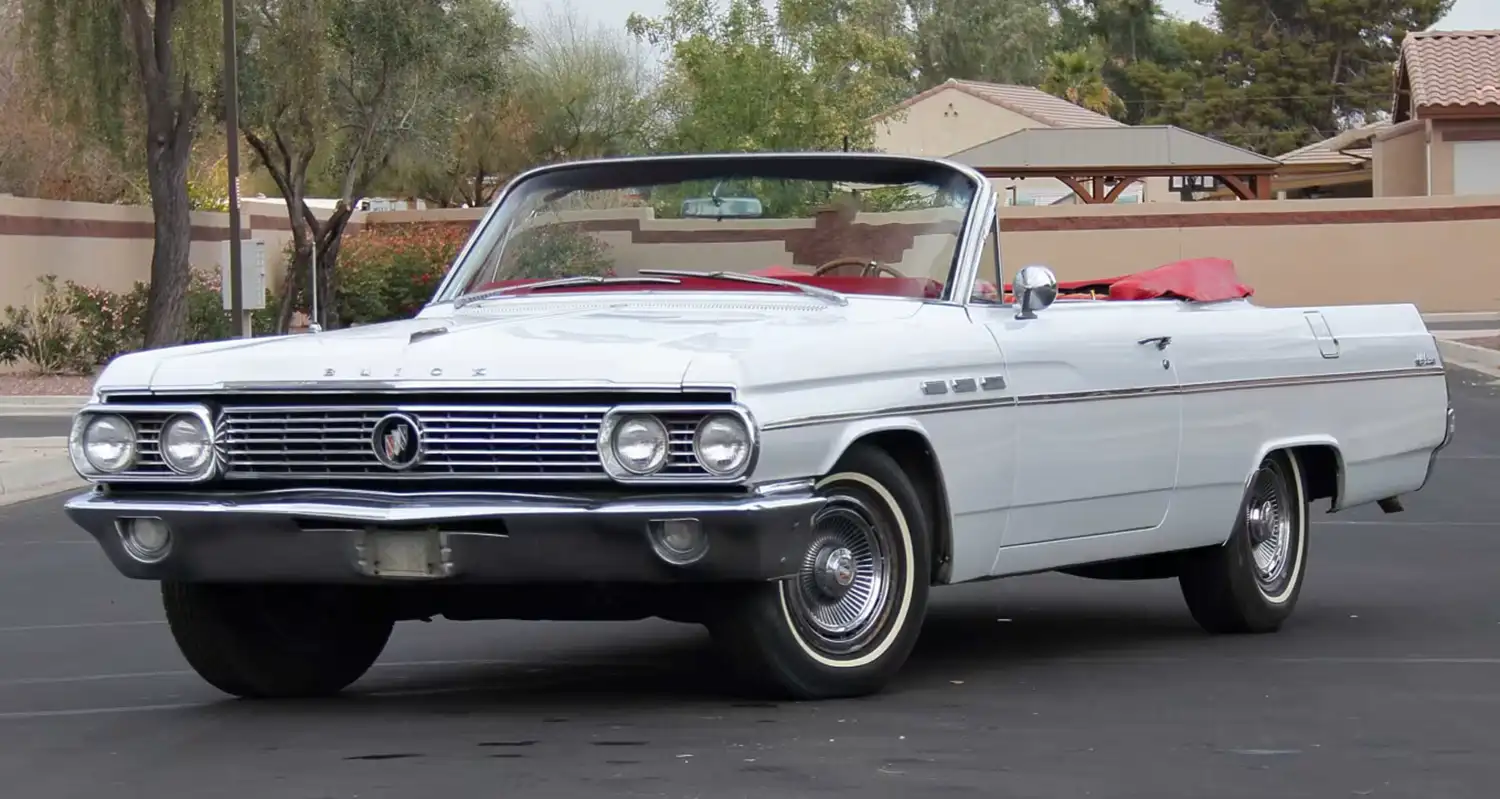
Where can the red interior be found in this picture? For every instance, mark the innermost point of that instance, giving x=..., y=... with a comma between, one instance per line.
x=1195, y=280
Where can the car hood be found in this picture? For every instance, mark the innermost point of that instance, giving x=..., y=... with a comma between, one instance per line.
x=551, y=343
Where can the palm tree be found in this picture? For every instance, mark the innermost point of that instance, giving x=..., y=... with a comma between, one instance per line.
x=1078, y=77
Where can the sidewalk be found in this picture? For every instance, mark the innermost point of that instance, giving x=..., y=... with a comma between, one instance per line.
x=1472, y=348
x=40, y=405
x=35, y=467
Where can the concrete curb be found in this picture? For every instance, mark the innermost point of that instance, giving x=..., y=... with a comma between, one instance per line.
x=41, y=405
x=1462, y=316
x=35, y=467
x=1478, y=359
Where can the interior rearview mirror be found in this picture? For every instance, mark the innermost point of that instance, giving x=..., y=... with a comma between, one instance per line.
x=721, y=208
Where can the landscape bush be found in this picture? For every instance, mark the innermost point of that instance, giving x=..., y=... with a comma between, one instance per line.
x=389, y=271
x=386, y=272
x=74, y=329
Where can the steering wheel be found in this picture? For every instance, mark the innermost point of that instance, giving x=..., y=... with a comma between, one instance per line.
x=868, y=268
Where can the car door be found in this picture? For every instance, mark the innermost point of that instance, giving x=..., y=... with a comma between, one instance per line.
x=1098, y=417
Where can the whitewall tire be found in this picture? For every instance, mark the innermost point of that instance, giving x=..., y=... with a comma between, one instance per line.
x=1251, y=583
x=845, y=624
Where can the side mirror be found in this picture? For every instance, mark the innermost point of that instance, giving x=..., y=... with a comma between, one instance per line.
x=1035, y=287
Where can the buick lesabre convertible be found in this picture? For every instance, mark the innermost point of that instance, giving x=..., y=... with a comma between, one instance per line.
x=781, y=395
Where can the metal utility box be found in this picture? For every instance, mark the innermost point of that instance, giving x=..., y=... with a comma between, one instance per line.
x=252, y=271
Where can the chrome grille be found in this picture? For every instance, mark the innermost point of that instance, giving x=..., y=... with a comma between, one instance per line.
x=480, y=441
x=148, y=458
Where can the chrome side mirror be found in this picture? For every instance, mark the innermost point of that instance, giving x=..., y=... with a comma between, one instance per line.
x=1035, y=287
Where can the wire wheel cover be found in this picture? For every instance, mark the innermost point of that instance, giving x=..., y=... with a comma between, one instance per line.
x=1271, y=522
x=841, y=593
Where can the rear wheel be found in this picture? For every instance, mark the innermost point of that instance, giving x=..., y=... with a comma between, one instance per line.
x=282, y=641
x=845, y=624
x=1251, y=583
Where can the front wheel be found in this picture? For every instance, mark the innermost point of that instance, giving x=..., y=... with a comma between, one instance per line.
x=1250, y=584
x=845, y=624
x=276, y=641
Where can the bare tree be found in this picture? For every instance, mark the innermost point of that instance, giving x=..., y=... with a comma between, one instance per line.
x=125, y=65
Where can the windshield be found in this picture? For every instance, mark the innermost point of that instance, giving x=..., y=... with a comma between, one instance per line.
x=855, y=225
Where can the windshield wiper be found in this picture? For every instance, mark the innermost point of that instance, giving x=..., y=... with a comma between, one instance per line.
x=827, y=295
x=580, y=280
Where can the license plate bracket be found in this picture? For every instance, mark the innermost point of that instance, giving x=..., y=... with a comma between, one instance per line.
x=404, y=554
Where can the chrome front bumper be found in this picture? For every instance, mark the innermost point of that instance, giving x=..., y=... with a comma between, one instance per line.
x=350, y=536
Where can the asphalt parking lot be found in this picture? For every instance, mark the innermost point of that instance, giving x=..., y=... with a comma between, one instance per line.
x=35, y=426
x=1385, y=684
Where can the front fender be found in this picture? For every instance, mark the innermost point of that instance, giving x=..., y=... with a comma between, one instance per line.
x=792, y=453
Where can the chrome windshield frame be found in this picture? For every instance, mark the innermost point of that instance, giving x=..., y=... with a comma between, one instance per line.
x=956, y=291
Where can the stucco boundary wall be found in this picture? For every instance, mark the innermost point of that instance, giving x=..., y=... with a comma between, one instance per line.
x=1442, y=253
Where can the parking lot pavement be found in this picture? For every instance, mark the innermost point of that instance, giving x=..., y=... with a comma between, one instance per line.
x=34, y=426
x=1386, y=684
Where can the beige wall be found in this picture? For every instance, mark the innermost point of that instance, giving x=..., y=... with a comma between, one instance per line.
x=110, y=246
x=1404, y=152
x=1400, y=168
x=1438, y=252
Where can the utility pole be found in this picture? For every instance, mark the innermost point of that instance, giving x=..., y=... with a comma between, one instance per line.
x=239, y=318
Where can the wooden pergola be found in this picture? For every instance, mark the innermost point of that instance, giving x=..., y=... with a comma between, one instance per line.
x=1099, y=164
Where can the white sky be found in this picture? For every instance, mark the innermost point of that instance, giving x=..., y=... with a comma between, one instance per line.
x=1466, y=14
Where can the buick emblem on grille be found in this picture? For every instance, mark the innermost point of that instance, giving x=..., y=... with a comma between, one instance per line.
x=397, y=442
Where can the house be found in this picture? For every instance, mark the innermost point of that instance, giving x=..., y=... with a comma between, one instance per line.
x=959, y=115
x=1338, y=166
x=1444, y=136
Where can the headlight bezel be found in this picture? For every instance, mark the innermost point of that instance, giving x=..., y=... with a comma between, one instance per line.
x=616, y=471
x=208, y=443
x=132, y=413
x=744, y=428
x=78, y=444
x=609, y=446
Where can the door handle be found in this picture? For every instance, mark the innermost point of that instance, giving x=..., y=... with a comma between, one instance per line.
x=1161, y=342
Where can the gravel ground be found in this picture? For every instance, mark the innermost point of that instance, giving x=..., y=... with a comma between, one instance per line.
x=25, y=385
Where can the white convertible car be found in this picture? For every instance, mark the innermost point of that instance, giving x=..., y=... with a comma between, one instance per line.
x=780, y=395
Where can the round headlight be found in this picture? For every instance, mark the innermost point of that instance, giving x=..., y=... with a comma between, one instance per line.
x=185, y=444
x=640, y=444
x=722, y=444
x=109, y=443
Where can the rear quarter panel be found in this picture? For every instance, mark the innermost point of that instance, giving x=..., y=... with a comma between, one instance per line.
x=1256, y=379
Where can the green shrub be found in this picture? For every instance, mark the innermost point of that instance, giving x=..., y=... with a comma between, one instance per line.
x=74, y=329
x=44, y=333
x=557, y=250
x=389, y=271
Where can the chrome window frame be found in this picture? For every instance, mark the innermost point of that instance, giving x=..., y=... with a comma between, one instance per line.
x=966, y=258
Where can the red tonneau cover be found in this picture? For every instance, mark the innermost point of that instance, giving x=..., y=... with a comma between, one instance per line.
x=1196, y=280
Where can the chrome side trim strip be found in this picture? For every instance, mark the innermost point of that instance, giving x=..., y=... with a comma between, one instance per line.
x=400, y=386
x=900, y=410
x=1207, y=387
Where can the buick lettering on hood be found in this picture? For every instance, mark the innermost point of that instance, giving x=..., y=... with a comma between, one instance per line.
x=783, y=396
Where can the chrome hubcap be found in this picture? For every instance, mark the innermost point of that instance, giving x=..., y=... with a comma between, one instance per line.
x=839, y=594
x=835, y=571
x=1269, y=520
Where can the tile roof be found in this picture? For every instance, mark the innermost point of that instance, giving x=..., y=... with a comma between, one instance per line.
x=1027, y=101
x=1350, y=148
x=1451, y=68
x=1142, y=147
